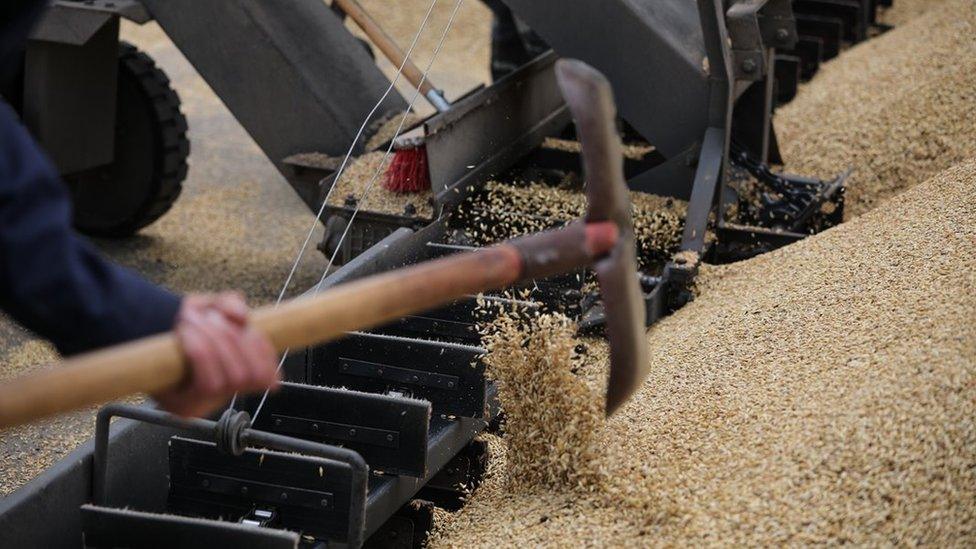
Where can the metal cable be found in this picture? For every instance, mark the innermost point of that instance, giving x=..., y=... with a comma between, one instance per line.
x=376, y=173
x=342, y=169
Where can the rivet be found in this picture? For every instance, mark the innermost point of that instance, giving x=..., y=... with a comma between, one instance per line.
x=324, y=502
x=284, y=496
x=389, y=438
x=748, y=65
x=206, y=483
x=244, y=490
x=352, y=432
x=315, y=426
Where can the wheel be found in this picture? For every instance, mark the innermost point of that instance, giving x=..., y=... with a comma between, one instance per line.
x=151, y=148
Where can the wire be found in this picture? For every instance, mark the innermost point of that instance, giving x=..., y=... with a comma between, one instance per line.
x=376, y=173
x=339, y=173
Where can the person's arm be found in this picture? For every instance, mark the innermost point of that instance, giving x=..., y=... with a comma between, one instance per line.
x=58, y=286
x=51, y=280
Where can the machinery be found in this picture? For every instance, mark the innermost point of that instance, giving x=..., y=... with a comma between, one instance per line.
x=375, y=428
x=112, y=123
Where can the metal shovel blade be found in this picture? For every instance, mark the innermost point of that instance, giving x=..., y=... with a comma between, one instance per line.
x=590, y=99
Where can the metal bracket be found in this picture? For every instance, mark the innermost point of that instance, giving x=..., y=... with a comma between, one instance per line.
x=389, y=432
x=349, y=472
x=448, y=375
x=394, y=374
x=742, y=20
x=466, y=145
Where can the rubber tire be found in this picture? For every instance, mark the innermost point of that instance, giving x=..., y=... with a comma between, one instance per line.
x=151, y=149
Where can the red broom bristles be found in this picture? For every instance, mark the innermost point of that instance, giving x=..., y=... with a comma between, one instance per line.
x=408, y=171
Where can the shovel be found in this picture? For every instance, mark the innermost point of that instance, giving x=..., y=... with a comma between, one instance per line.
x=604, y=239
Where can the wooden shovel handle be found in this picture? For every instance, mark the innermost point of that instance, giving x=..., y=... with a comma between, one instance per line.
x=385, y=43
x=157, y=363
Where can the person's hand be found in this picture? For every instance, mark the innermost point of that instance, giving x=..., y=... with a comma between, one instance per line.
x=225, y=354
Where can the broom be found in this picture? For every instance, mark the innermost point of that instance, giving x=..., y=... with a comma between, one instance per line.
x=408, y=170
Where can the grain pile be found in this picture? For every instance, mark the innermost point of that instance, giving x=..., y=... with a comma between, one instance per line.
x=821, y=393
x=505, y=210
x=371, y=167
x=898, y=108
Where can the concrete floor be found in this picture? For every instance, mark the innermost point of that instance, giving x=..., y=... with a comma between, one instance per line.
x=237, y=224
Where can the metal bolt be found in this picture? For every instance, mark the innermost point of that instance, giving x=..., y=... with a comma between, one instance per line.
x=278, y=422
x=415, y=378
x=450, y=384
x=379, y=372
x=206, y=483
x=315, y=426
x=345, y=366
x=389, y=438
x=352, y=432
x=284, y=496
x=244, y=490
x=324, y=502
x=748, y=66
x=782, y=34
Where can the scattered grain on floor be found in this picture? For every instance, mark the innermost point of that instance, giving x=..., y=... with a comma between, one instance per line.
x=823, y=393
x=464, y=60
x=210, y=242
x=897, y=109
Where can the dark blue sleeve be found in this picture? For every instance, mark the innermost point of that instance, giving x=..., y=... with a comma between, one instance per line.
x=52, y=281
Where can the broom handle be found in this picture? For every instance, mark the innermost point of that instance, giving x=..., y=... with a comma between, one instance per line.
x=390, y=49
x=157, y=363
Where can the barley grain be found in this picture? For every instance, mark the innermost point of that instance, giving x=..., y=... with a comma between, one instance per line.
x=821, y=393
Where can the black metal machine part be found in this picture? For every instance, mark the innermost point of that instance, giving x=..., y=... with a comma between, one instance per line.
x=69, y=96
x=105, y=114
x=311, y=454
x=386, y=426
x=456, y=414
x=149, y=163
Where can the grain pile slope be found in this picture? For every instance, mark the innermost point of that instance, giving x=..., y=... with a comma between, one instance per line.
x=898, y=108
x=825, y=392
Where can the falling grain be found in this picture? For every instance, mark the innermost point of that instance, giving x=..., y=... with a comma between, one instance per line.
x=553, y=419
